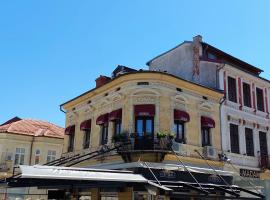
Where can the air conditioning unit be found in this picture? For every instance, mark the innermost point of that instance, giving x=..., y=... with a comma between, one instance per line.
x=179, y=148
x=209, y=152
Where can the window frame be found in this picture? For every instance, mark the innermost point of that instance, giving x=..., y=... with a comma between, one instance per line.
x=235, y=148
x=245, y=102
x=265, y=151
x=203, y=141
x=249, y=142
x=177, y=124
x=228, y=90
x=37, y=156
x=86, y=138
x=71, y=142
x=104, y=133
x=262, y=100
x=21, y=156
x=117, y=127
x=144, y=125
x=51, y=155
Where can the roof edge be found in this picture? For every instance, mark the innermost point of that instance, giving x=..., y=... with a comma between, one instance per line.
x=141, y=72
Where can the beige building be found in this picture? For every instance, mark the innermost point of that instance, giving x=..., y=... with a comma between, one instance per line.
x=28, y=142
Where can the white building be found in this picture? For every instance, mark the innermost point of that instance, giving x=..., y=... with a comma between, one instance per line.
x=245, y=109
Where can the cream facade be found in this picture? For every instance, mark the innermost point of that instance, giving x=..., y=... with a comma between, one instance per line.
x=125, y=92
x=20, y=146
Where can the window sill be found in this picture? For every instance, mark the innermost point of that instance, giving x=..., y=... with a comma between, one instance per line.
x=233, y=104
x=248, y=109
x=261, y=113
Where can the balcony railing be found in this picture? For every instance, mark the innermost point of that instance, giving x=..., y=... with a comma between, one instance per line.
x=144, y=143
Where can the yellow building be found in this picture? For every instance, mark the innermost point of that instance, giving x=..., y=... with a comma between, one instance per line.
x=28, y=142
x=141, y=106
x=139, y=135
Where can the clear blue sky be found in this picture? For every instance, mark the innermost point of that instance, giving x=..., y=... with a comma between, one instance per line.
x=52, y=51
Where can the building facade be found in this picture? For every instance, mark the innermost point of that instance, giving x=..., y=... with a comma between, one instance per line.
x=245, y=109
x=160, y=126
x=28, y=142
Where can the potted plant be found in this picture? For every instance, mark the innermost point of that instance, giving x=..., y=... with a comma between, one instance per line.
x=161, y=135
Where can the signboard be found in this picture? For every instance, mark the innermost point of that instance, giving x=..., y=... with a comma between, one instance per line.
x=249, y=173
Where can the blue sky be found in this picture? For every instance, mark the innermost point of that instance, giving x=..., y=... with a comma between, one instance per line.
x=52, y=51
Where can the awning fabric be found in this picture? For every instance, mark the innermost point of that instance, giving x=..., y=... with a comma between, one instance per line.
x=102, y=119
x=181, y=115
x=70, y=173
x=144, y=110
x=70, y=130
x=86, y=125
x=207, y=122
x=115, y=115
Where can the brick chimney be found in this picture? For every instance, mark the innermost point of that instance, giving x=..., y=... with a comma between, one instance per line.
x=197, y=52
x=101, y=80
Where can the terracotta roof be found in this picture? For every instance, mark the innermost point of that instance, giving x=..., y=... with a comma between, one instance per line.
x=32, y=128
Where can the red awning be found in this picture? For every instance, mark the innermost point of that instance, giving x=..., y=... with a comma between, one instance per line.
x=115, y=115
x=181, y=115
x=102, y=119
x=144, y=110
x=207, y=122
x=70, y=130
x=86, y=125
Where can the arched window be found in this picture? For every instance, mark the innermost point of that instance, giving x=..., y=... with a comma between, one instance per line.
x=37, y=156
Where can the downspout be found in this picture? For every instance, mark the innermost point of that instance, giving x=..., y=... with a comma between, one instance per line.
x=61, y=109
x=221, y=101
x=31, y=149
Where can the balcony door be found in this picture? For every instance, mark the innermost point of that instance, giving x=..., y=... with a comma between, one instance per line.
x=144, y=128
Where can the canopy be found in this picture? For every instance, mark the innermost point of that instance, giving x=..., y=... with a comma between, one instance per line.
x=115, y=115
x=70, y=130
x=207, y=122
x=86, y=125
x=144, y=110
x=181, y=115
x=102, y=119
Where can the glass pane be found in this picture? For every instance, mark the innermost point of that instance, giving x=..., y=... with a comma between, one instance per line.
x=16, y=159
x=180, y=131
x=148, y=128
x=139, y=127
x=22, y=150
x=22, y=160
x=175, y=129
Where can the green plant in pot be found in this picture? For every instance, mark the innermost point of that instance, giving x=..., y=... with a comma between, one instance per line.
x=161, y=135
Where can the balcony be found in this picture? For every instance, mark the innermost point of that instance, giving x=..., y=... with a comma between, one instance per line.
x=133, y=148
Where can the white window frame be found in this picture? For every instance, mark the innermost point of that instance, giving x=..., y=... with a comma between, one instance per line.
x=20, y=152
x=37, y=154
x=51, y=156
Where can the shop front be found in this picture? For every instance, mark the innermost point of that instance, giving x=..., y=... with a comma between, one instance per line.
x=142, y=183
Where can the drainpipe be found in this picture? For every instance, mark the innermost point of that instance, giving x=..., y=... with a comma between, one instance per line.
x=31, y=149
x=221, y=101
x=61, y=109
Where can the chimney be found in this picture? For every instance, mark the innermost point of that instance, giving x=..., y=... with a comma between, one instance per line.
x=101, y=80
x=197, y=39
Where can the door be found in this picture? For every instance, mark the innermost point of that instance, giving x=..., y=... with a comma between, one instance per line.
x=144, y=137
